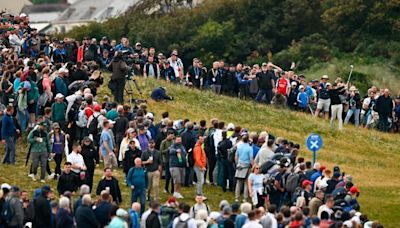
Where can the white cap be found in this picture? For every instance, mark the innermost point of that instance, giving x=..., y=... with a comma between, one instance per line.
x=63, y=70
x=4, y=50
x=111, y=122
x=230, y=126
x=214, y=215
x=23, y=15
x=301, y=87
x=328, y=84
x=5, y=185
x=121, y=213
x=149, y=115
x=59, y=96
x=293, y=83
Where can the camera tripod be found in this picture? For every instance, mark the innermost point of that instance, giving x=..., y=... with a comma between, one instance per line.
x=129, y=87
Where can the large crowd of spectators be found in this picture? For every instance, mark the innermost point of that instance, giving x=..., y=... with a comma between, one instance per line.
x=49, y=95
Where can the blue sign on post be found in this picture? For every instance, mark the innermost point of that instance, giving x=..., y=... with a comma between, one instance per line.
x=314, y=143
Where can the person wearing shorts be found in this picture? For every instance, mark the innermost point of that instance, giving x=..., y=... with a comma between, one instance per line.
x=177, y=164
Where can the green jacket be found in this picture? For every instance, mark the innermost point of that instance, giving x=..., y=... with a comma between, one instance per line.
x=58, y=111
x=164, y=150
x=39, y=147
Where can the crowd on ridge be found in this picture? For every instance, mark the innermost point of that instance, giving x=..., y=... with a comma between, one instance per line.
x=49, y=95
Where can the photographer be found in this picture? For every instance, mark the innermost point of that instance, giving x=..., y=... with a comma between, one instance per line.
x=118, y=67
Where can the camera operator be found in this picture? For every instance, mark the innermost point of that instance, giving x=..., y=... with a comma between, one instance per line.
x=118, y=67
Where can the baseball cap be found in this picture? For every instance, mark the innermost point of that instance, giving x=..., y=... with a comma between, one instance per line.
x=325, y=77
x=23, y=15
x=322, y=168
x=149, y=115
x=97, y=108
x=47, y=188
x=328, y=84
x=354, y=190
x=63, y=70
x=306, y=182
x=230, y=126
x=5, y=186
x=171, y=199
x=301, y=87
x=293, y=83
x=59, y=96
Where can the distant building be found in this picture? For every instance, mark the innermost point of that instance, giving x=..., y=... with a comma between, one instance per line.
x=82, y=12
x=14, y=6
x=42, y=15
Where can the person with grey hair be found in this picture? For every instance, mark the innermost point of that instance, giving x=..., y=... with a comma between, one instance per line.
x=64, y=216
x=84, y=216
x=84, y=189
x=241, y=219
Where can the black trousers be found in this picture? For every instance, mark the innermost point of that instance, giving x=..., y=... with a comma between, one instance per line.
x=118, y=93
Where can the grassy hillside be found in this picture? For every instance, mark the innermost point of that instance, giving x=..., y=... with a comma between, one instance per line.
x=367, y=72
x=370, y=156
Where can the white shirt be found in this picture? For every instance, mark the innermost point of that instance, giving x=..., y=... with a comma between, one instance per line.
x=183, y=217
x=75, y=159
x=324, y=208
x=217, y=139
x=252, y=224
x=273, y=220
x=144, y=218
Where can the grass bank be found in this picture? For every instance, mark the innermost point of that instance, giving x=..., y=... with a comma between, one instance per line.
x=370, y=156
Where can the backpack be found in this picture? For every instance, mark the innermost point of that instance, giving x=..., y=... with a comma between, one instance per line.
x=292, y=182
x=94, y=126
x=81, y=119
x=296, y=194
x=194, y=212
x=209, y=144
x=231, y=154
x=40, y=86
x=182, y=224
x=6, y=212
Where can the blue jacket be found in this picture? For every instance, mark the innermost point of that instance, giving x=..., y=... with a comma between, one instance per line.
x=102, y=213
x=134, y=218
x=137, y=177
x=174, y=161
x=7, y=127
x=159, y=94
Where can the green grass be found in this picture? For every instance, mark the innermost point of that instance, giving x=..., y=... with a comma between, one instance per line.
x=370, y=156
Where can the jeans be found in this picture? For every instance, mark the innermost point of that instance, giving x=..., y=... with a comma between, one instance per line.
x=264, y=92
x=23, y=118
x=154, y=184
x=336, y=112
x=356, y=113
x=141, y=194
x=41, y=158
x=9, y=157
x=200, y=180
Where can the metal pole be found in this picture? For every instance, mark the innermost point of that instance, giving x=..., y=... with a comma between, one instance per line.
x=314, y=155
